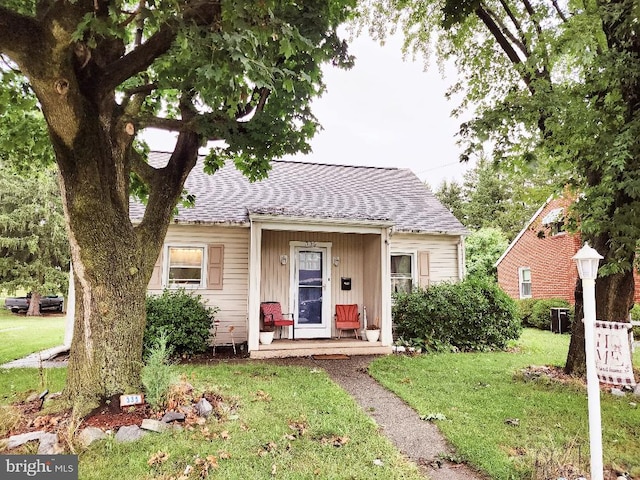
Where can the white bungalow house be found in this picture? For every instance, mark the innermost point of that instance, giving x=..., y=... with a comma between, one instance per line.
x=310, y=236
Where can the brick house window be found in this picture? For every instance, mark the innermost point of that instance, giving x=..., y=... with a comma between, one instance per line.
x=524, y=279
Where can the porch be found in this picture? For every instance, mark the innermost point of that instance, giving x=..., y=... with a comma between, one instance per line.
x=281, y=348
x=309, y=266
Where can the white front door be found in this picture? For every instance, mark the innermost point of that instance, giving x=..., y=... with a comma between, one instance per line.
x=312, y=297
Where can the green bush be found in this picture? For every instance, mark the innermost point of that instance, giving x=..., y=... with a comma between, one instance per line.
x=541, y=312
x=635, y=317
x=474, y=314
x=525, y=308
x=183, y=317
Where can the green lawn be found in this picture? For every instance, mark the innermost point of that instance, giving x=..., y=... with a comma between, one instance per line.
x=20, y=335
x=505, y=425
x=277, y=422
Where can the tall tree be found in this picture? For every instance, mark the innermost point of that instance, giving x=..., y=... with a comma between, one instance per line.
x=34, y=251
x=554, y=83
x=482, y=249
x=241, y=71
x=451, y=196
x=497, y=196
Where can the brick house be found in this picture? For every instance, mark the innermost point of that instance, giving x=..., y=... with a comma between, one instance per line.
x=537, y=264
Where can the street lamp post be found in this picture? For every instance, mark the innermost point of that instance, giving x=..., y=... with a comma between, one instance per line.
x=587, y=260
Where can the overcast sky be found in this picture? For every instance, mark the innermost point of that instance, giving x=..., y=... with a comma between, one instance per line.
x=384, y=112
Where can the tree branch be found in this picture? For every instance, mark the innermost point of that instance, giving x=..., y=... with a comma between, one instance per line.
x=138, y=59
x=561, y=14
x=504, y=43
x=518, y=25
x=259, y=94
x=19, y=35
x=141, y=168
x=521, y=44
x=200, y=12
x=161, y=123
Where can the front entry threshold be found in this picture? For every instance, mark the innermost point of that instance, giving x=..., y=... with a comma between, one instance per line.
x=304, y=348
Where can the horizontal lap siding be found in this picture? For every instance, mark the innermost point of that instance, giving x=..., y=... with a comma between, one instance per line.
x=232, y=299
x=443, y=253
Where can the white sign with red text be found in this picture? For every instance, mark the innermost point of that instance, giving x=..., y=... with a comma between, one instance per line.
x=613, y=353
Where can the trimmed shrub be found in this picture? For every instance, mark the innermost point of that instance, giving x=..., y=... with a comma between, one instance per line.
x=541, y=312
x=183, y=317
x=475, y=314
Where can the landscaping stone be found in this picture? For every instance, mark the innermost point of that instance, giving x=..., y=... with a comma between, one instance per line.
x=129, y=433
x=154, y=425
x=17, y=440
x=636, y=391
x=89, y=435
x=173, y=417
x=616, y=392
x=203, y=408
x=32, y=398
x=49, y=445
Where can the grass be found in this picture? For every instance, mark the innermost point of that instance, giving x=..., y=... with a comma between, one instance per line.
x=21, y=335
x=509, y=427
x=256, y=439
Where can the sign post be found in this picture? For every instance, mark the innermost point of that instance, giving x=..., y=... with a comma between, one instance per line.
x=587, y=260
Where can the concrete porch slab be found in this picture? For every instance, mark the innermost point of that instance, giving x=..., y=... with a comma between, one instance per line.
x=305, y=348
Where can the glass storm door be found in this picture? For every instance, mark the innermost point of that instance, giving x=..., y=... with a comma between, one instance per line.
x=312, y=312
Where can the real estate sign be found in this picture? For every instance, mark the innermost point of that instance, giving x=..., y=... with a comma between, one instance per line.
x=613, y=353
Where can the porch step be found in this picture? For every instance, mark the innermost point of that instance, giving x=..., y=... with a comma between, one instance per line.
x=305, y=348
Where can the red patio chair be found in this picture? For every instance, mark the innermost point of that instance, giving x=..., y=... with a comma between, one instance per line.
x=272, y=316
x=347, y=318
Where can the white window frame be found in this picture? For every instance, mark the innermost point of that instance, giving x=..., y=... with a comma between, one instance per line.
x=414, y=267
x=521, y=283
x=203, y=267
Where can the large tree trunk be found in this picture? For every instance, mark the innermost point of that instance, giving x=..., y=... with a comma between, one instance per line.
x=614, y=299
x=34, y=305
x=113, y=261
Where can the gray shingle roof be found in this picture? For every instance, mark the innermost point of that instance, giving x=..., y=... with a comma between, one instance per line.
x=298, y=189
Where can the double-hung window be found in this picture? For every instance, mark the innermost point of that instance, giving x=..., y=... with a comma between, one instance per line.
x=524, y=274
x=186, y=267
x=402, y=272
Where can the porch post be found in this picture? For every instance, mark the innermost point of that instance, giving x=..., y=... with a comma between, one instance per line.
x=255, y=267
x=386, y=334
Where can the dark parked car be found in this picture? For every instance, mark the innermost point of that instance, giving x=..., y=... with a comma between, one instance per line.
x=51, y=303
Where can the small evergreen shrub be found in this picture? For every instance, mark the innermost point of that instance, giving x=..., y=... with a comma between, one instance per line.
x=475, y=314
x=183, y=317
x=157, y=373
x=541, y=312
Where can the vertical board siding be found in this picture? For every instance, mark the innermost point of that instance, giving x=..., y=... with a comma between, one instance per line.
x=276, y=278
x=373, y=283
x=443, y=253
x=232, y=298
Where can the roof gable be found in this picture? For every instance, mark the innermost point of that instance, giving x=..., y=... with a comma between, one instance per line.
x=299, y=189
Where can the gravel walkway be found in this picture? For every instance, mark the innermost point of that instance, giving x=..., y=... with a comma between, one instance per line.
x=420, y=441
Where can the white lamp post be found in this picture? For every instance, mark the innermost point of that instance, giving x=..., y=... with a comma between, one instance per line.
x=587, y=260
